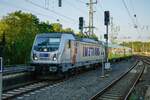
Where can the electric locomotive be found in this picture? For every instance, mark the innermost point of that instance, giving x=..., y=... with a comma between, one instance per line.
x=61, y=52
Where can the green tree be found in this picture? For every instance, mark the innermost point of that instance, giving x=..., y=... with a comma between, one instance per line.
x=93, y=36
x=44, y=27
x=56, y=27
x=68, y=30
x=20, y=29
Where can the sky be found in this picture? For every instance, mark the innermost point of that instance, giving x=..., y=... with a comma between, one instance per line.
x=71, y=10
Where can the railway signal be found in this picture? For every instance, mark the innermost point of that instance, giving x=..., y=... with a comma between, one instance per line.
x=81, y=21
x=59, y=3
x=106, y=18
x=105, y=36
x=106, y=22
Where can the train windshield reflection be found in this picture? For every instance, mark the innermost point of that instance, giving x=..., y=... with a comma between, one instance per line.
x=47, y=44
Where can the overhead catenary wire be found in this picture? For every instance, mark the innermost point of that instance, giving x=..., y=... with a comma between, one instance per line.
x=81, y=1
x=132, y=6
x=135, y=15
x=125, y=5
x=100, y=4
x=52, y=11
x=34, y=12
x=28, y=10
x=133, y=21
x=46, y=3
x=75, y=7
x=99, y=14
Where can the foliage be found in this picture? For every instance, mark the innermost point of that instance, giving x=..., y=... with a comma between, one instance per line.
x=115, y=56
x=138, y=46
x=44, y=27
x=56, y=27
x=68, y=30
x=17, y=32
x=20, y=29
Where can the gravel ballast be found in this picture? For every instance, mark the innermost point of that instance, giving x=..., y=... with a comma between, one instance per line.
x=81, y=87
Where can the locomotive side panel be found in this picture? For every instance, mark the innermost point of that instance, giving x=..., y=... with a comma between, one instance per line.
x=89, y=53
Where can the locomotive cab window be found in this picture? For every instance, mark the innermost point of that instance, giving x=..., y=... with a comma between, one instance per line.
x=46, y=44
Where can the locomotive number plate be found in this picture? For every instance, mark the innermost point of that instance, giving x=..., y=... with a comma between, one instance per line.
x=44, y=55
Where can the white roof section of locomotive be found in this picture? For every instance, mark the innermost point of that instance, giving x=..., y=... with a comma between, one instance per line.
x=88, y=40
x=53, y=34
x=68, y=36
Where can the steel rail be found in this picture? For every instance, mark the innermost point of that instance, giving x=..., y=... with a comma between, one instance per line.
x=95, y=97
x=136, y=81
x=24, y=90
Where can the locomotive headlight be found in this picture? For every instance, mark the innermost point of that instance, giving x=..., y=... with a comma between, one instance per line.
x=54, y=57
x=35, y=56
x=45, y=50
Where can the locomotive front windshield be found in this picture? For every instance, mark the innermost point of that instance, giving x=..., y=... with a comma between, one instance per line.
x=46, y=44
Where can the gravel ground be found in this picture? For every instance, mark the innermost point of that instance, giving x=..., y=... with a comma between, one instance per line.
x=81, y=87
x=142, y=89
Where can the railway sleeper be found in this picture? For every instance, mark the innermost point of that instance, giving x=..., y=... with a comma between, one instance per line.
x=109, y=97
x=105, y=99
x=114, y=91
x=113, y=95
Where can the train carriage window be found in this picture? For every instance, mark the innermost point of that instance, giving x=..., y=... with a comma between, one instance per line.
x=69, y=44
x=76, y=43
x=86, y=51
x=97, y=52
x=91, y=51
x=83, y=51
x=102, y=53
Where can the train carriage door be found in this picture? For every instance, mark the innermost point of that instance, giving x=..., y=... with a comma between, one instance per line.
x=73, y=51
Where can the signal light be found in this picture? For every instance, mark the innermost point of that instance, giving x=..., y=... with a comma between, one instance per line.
x=106, y=18
x=105, y=36
x=80, y=22
x=59, y=3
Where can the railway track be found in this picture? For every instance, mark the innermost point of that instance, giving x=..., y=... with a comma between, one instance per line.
x=37, y=85
x=17, y=92
x=146, y=59
x=25, y=89
x=121, y=88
